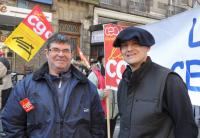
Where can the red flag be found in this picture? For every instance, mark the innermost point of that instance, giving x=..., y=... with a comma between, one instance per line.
x=83, y=57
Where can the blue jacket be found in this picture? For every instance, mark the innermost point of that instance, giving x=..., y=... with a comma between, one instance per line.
x=83, y=117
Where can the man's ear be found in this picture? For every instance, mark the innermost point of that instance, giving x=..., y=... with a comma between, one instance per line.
x=46, y=52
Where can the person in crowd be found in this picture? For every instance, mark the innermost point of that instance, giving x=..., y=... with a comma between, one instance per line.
x=97, y=76
x=56, y=101
x=2, y=54
x=93, y=63
x=5, y=80
x=153, y=101
x=80, y=65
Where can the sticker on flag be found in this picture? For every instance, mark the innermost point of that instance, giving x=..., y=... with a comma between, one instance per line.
x=27, y=39
x=27, y=105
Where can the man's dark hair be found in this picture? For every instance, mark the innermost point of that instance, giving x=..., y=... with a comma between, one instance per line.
x=100, y=57
x=102, y=69
x=57, y=38
x=78, y=58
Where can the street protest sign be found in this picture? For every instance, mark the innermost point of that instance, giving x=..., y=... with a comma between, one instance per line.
x=115, y=65
x=27, y=39
x=177, y=47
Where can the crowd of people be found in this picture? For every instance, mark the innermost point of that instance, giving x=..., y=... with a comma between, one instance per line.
x=63, y=98
x=5, y=80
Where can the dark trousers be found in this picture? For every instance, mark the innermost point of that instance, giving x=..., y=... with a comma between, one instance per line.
x=112, y=127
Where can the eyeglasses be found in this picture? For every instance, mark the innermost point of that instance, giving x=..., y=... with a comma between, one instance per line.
x=57, y=51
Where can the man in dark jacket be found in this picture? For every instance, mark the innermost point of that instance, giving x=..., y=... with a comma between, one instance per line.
x=153, y=101
x=57, y=101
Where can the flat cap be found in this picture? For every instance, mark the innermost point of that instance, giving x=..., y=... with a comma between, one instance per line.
x=143, y=37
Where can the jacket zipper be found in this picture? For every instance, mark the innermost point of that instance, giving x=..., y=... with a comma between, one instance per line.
x=132, y=104
x=56, y=105
x=60, y=83
x=56, y=102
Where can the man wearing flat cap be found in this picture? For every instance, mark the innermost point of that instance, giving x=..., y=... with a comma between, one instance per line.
x=153, y=101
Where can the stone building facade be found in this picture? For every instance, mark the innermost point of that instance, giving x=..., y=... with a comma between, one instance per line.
x=75, y=18
x=72, y=17
x=79, y=18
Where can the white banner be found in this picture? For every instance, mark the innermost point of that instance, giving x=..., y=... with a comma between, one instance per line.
x=178, y=47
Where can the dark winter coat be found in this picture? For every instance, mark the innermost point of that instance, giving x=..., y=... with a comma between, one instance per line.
x=83, y=117
x=153, y=103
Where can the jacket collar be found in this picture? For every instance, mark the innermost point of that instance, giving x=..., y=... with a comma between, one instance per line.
x=40, y=73
x=134, y=78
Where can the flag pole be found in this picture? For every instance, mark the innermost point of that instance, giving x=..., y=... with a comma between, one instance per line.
x=108, y=116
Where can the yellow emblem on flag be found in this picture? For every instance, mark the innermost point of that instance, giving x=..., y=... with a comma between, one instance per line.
x=27, y=39
x=24, y=42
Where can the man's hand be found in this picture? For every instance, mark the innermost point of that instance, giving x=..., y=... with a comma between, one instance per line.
x=106, y=92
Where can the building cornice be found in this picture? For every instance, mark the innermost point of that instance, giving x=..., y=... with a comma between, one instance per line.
x=100, y=12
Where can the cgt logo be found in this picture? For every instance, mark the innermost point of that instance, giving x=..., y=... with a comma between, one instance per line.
x=3, y=8
x=114, y=70
x=112, y=30
x=38, y=26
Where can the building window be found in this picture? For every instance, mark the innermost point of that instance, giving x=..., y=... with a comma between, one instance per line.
x=69, y=27
x=106, y=2
x=73, y=32
x=96, y=51
x=176, y=6
x=104, y=20
x=181, y=2
x=22, y=3
x=74, y=43
x=139, y=5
